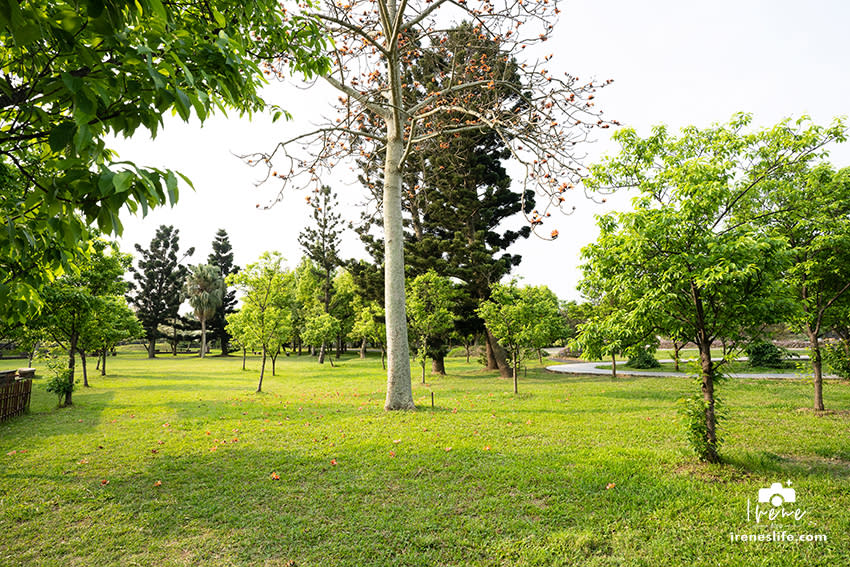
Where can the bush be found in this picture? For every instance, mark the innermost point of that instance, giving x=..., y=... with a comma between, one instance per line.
x=764, y=354
x=835, y=356
x=643, y=359
x=60, y=384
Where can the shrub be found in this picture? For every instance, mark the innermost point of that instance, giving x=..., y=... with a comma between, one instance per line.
x=836, y=358
x=643, y=359
x=60, y=384
x=764, y=354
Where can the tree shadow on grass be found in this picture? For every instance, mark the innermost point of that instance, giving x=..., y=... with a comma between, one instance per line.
x=771, y=464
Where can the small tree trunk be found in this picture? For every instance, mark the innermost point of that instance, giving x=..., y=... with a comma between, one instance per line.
x=817, y=367
x=72, y=347
x=516, y=371
x=85, y=372
x=99, y=358
x=274, y=360
x=152, y=348
x=363, y=348
x=339, y=346
x=710, y=449
x=203, y=337
x=322, y=353
x=540, y=356
x=613, y=366
x=676, y=348
x=422, y=364
x=467, y=347
x=331, y=361
x=103, y=366
x=244, y=355
x=262, y=371
x=383, y=357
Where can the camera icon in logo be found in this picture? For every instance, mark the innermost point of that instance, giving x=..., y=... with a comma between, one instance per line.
x=777, y=494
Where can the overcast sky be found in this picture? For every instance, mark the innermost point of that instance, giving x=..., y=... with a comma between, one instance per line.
x=673, y=62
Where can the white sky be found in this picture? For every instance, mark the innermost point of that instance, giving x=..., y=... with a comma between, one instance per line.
x=673, y=62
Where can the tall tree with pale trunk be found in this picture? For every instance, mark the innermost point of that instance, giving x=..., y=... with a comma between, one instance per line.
x=375, y=42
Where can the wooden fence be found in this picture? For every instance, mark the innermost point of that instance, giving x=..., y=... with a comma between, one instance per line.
x=15, y=390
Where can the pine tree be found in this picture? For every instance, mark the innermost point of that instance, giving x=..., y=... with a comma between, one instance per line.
x=321, y=244
x=157, y=290
x=222, y=256
x=457, y=195
x=321, y=241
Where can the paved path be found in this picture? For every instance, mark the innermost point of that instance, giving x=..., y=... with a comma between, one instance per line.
x=591, y=368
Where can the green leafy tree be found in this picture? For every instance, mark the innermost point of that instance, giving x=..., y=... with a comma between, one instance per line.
x=157, y=291
x=679, y=263
x=77, y=73
x=204, y=288
x=222, y=256
x=73, y=300
x=111, y=322
x=370, y=327
x=430, y=303
x=319, y=330
x=520, y=319
x=265, y=319
x=811, y=211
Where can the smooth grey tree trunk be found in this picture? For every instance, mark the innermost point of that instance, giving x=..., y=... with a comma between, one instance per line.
x=817, y=368
x=399, y=386
x=362, y=348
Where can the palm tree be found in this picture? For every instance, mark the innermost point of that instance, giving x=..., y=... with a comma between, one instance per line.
x=204, y=288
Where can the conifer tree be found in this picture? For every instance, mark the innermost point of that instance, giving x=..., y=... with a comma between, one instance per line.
x=222, y=256
x=157, y=291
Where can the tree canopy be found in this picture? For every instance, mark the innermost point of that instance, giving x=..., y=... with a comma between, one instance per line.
x=76, y=73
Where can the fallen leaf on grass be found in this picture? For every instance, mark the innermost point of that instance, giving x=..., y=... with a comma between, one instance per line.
x=486, y=447
x=104, y=482
x=609, y=486
x=158, y=483
x=392, y=453
x=333, y=462
x=448, y=449
x=274, y=476
x=84, y=461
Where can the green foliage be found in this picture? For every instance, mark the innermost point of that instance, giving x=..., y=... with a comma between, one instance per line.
x=837, y=358
x=521, y=319
x=204, y=289
x=321, y=329
x=75, y=74
x=265, y=320
x=642, y=358
x=764, y=354
x=369, y=324
x=430, y=314
x=61, y=381
x=685, y=262
x=693, y=411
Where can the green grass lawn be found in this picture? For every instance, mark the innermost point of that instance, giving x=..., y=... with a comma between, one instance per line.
x=173, y=462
